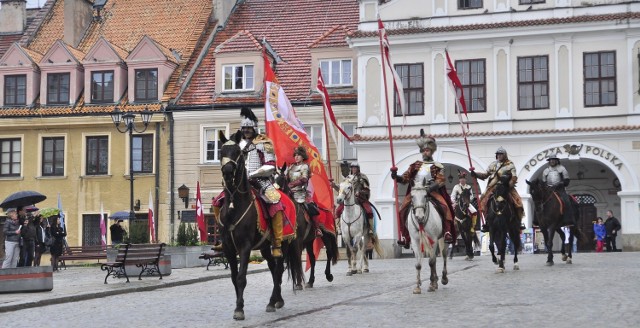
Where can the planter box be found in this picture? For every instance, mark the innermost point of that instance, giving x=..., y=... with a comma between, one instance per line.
x=26, y=279
x=132, y=270
x=187, y=256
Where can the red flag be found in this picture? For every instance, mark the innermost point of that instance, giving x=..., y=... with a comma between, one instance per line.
x=457, y=89
x=151, y=219
x=327, y=106
x=103, y=226
x=200, y=215
x=397, y=83
x=287, y=132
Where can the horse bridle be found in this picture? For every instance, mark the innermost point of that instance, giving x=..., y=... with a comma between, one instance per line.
x=226, y=160
x=347, y=195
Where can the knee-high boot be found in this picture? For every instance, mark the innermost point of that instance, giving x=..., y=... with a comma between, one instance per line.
x=276, y=226
x=448, y=231
x=216, y=215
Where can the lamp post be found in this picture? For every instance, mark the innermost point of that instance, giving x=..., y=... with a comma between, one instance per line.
x=128, y=119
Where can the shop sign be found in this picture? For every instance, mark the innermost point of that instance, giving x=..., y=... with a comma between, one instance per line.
x=568, y=151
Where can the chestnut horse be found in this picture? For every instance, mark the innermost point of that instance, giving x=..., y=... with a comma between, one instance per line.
x=239, y=228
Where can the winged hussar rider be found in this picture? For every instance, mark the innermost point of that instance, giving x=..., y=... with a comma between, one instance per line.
x=261, y=164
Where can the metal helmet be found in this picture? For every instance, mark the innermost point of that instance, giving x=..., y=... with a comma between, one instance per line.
x=355, y=164
x=302, y=152
x=553, y=157
x=501, y=151
x=425, y=141
x=250, y=120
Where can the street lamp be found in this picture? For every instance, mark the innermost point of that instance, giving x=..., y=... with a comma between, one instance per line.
x=128, y=119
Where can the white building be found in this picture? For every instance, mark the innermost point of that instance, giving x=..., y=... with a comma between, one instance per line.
x=545, y=77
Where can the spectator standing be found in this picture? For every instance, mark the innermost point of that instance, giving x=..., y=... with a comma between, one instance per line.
x=117, y=232
x=22, y=215
x=12, y=239
x=42, y=236
x=28, y=234
x=600, y=234
x=612, y=226
x=58, y=234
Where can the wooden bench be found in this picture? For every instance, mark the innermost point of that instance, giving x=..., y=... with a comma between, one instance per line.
x=145, y=256
x=215, y=258
x=72, y=253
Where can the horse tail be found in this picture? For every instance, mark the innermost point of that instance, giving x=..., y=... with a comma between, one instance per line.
x=377, y=247
x=294, y=264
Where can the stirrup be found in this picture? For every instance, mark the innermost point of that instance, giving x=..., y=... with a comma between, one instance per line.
x=318, y=232
x=448, y=238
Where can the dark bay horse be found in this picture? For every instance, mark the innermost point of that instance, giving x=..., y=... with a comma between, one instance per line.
x=239, y=228
x=548, y=212
x=464, y=222
x=505, y=223
x=306, y=237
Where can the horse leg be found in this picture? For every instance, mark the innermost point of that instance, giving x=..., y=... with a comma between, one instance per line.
x=549, y=244
x=492, y=248
x=468, y=245
x=360, y=254
x=570, y=246
x=241, y=282
x=312, y=264
x=275, y=277
x=332, y=251
x=434, y=274
x=502, y=249
x=364, y=255
x=417, y=252
x=349, y=261
x=445, y=279
x=563, y=246
x=515, y=239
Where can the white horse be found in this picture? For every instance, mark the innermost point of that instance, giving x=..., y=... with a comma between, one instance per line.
x=425, y=228
x=352, y=226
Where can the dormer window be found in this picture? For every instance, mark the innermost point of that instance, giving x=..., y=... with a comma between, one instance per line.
x=58, y=88
x=102, y=87
x=146, y=84
x=238, y=77
x=15, y=90
x=337, y=72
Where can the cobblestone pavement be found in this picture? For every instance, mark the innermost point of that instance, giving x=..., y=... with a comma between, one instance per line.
x=596, y=290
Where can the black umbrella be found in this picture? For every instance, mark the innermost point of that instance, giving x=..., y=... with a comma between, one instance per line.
x=120, y=215
x=22, y=198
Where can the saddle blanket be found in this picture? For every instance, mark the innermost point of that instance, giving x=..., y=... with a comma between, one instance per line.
x=289, y=220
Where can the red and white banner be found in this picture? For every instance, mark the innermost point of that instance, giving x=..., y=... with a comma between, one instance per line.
x=456, y=85
x=151, y=220
x=202, y=228
x=103, y=226
x=328, y=110
x=397, y=82
x=287, y=132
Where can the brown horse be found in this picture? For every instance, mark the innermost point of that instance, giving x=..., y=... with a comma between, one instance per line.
x=505, y=224
x=464, y=222
x=306, y=237
x=239, y=222
x=549, y=216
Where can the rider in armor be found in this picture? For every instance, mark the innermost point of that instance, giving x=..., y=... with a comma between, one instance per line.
x=360, y=184
x=298, y=175
x=556, y=176
x=260, y=161
x=501, y=166
x=437, y=190
x=457, y=191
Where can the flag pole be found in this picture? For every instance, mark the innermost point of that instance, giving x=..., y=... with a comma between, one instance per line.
x=393, y=160
x=476, y=188
x=326, y=137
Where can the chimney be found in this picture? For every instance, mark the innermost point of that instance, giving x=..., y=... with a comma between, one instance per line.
x=78, y=14
x=13, y=16
x=222, y=9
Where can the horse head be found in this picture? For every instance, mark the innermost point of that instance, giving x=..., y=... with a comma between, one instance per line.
x=232, y=161
x=539, y=192
x=464, y=199
x=281, y=179
x=420, y=192
x=346, y=192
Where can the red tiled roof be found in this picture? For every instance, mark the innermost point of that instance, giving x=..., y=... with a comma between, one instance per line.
x=242, y=41
x=358, y=137
x=290, y=27
x=6, y=40
x=332, y=38
x=507, y=24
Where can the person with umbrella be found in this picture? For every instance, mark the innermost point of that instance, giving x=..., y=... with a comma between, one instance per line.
x=28, y=234
x=117, y=232
x=12, y=239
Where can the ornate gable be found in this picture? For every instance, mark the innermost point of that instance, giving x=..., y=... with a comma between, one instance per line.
x=148, y=50
x=105, y=52
x=61, y=53
x=17, y=57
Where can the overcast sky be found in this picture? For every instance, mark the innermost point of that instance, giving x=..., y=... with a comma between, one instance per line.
x=35, y=3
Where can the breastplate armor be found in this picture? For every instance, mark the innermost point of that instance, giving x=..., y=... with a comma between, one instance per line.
x=553, y=177
x=295, y=173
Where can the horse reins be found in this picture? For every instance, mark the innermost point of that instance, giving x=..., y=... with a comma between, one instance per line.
x=349, y=205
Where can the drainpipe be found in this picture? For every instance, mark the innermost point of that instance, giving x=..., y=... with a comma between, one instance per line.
x=157, y=182
x=172, y=178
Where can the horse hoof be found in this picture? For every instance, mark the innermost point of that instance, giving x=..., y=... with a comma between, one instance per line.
x=298, y=287
x=516, y=267
x=569, y=261
x=330, y=278
x=500, y=270
x=564, y=257
x=365, y=270
x=355, y=271
x=239, y=315
x=432, y=289
x=308, y=285
x=349, y=274
x=279, y=304
x=271, y=308
x=417, y=290
x=468, y=258
x=444, y=280
x=549, y=263
x=359, y=271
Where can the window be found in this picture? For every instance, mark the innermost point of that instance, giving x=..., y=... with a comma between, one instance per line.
x=600, y=78
x=10, y=157
x=412, y=79
x=533, y=82
x=15, y=90
x=58, y=88
x=53, y=156
x=315, y=135
x=146, y=84
x=527, y=2
x=472, y=77
x=336, y=73
x=97, y=155
x=469, y=4
x=238, y=77
x=143, y=153
x=348, y=150
x=102, y=87
x=211, y=145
